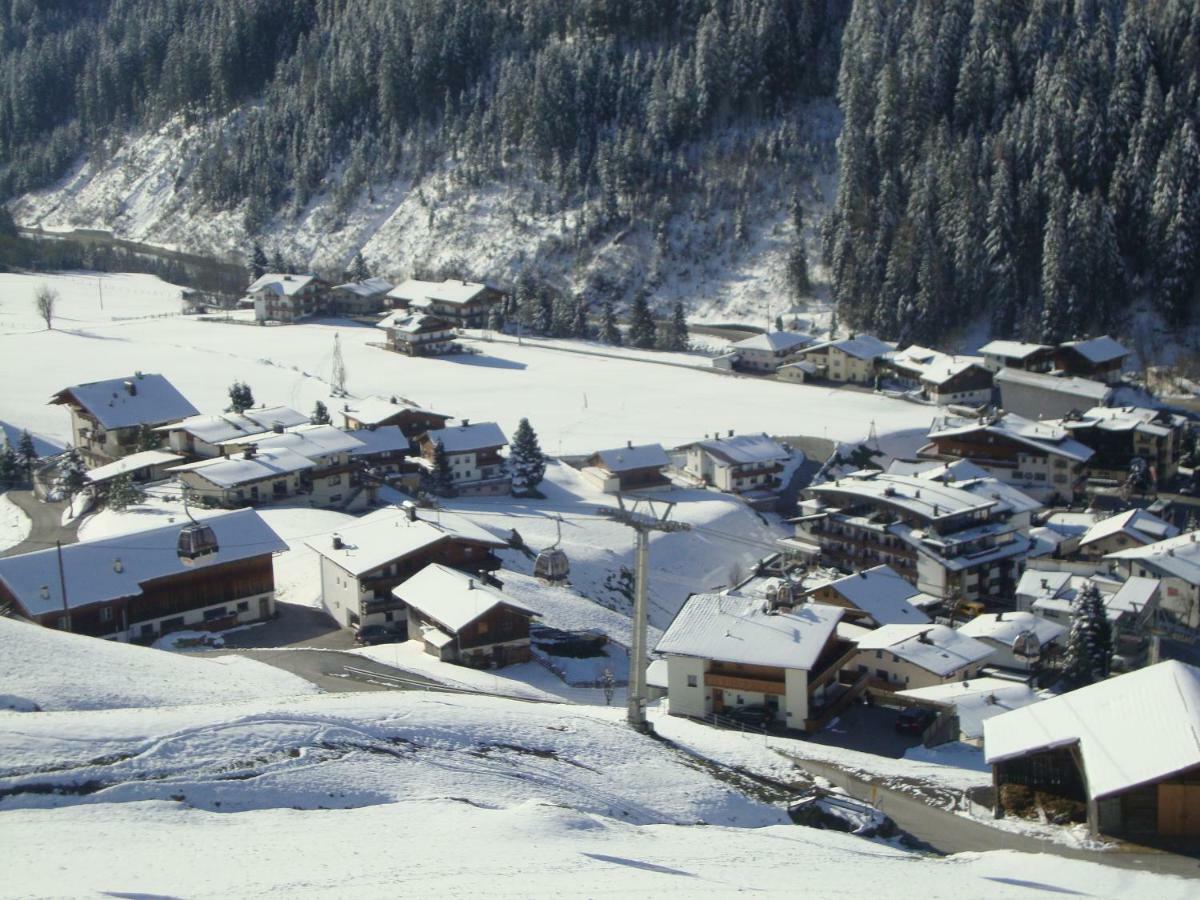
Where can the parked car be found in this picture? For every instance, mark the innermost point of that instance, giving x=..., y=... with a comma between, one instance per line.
x=914, y=720
x=377, y=634
x=756, y=715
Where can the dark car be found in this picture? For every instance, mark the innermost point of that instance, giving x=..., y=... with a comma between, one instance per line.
x=377, y=634
x=914, y=720
x=755, y=715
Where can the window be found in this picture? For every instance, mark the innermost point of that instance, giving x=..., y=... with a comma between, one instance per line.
x=693, y=681
x=243, y=606
x=106, y=614
x=882, y=674
x=61, y=624
x=334, y=479
x=483, y=628
x=217, y=612
x=895, y=658
x=879, y=654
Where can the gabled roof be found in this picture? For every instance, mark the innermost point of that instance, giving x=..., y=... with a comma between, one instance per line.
x=1126, y=418
x=1043, y=436
x=862, y=346
x=449, y=291
x=1005, y=627
x=93, y=574
x=934, y=648
x=132, y=463
x=735, y=628
x=1095, y=392
x=1137, y=524
x=966, y=476
x=882, y=594
x=310, y=441
x=745, y=448
x=1131, y=730
x=625, y=459
x=1012, y=349
x=283, y=284
x=929, y=499
x=1097, y=350
x=232, y=471
x=388, y=439
x=453, y=599
x=1178, y=556
x=932, y=366
x=977, y=700
x=370, y=287
x=139, y=399
x=414, y=323
x=465, y=438
x=774, y=341
x=230, y=425
x=377, y=410
x=388, y=535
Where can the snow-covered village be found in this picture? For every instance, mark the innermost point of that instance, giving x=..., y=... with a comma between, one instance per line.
x=599, y=448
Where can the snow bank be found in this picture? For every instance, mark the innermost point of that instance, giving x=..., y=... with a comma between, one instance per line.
x=14, y=524
x=60, y=671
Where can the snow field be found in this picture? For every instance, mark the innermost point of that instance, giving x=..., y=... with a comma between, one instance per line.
x=60, y=671
x=14, y=524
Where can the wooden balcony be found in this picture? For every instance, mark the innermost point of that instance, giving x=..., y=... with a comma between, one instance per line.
x=740, y=683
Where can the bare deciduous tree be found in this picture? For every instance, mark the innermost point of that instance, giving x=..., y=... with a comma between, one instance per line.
x=45, y=300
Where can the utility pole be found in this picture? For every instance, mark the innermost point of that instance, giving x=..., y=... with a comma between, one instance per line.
x=643, y=516
x=62, y=583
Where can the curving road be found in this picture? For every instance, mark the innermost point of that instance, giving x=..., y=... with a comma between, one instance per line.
x=46, y=523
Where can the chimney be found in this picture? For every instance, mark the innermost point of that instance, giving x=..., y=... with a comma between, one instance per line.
x=923, y=637
x=131, y=388
x=250, y=452
x=470, y=584
x=731, y=432
x=277, y=427
x=1045, y=584
x=338, y=544
x=629, y=445
x=465, y=423
x=118, y=566
x=410, y=511
x=1000, y=616
x=393, y=399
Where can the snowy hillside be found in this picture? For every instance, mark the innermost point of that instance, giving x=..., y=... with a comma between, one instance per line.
x=59, y=671
x=143, y=192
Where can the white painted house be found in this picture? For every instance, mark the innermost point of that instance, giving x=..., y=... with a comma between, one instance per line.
x=914, y=656
x=1176, y=563
x=741, y=463
x=729, y=650
x=768, y=351
x=473, y=453
x=1012, y=635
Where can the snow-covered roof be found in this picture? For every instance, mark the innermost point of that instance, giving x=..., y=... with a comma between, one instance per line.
x=465, y=438
x=139, y=399
x=656, y=673
x=452, y=598
x=1012, y=349
x=774, y=341
x=932, y=366
x=310, y=441
x=1131, y=730
x=1133, y=596
x=132, y=463
x=1073, y=524
x=1043, y=436
x=1126, y=418
x=935, y=648
x=808, y=368
x=113, y=567
x=745, y=448
x=862, y=346
x=376, y=410
x=1038, y=583
x=229, y=426
x=977, y=700
x=229, y=472
x=369, y=287
x=270, y=416
x=434, y=636
x=735, y=628
x=966, y=476
x=1084, y=388
x=1098, y=350
x=387, y=535
x=283, y=284
x=1178, y=556
x=625, y=459
x=414, y=323
x=388, y=439
x=881, y=593
x=449, y=291
x=1137, y=524
x=1004, y=627
x=918, y=496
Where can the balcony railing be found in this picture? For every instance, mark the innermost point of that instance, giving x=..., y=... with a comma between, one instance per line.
x=739, y=683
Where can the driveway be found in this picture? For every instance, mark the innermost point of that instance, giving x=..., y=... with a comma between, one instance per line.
x=338, y=672
x=869, y=729
x=294, y=626
x=46, y=523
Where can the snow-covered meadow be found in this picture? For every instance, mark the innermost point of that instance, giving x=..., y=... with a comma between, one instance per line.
x=578, y=403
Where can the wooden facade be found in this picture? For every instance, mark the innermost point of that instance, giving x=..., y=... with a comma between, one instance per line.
x=499, y=637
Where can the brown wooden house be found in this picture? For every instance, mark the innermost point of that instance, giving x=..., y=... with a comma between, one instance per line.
x=138, y=586
x=461, y=619
x=379, y=412
x=629, y=468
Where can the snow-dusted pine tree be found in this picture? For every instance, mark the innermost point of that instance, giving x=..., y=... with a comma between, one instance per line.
x=320, y=414
x=123, y=493
x=609, y=332
x=337, y=377
x=1088, y=655
x=72, y=474
x=641, y=323
x=441, y=480
x=359, y=271
x=26, y=453
x=526, y=462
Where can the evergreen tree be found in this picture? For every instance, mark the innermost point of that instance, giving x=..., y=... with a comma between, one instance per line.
x=27, y=454
x=579, y=322
x=441, y=479
x=679, y=338
x=148, y=438
x=123, y=493
x=10, y=468
x=72, y=473
x=797, y=271
x=258, y=262
x=526, y=462
x=241, y=398
x=641, y=323
x=562, y=317
x=610, y=333
x=495, y=320
x=543, y=314
x=358, y=268
x=320, y=414
x=1089, y=650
